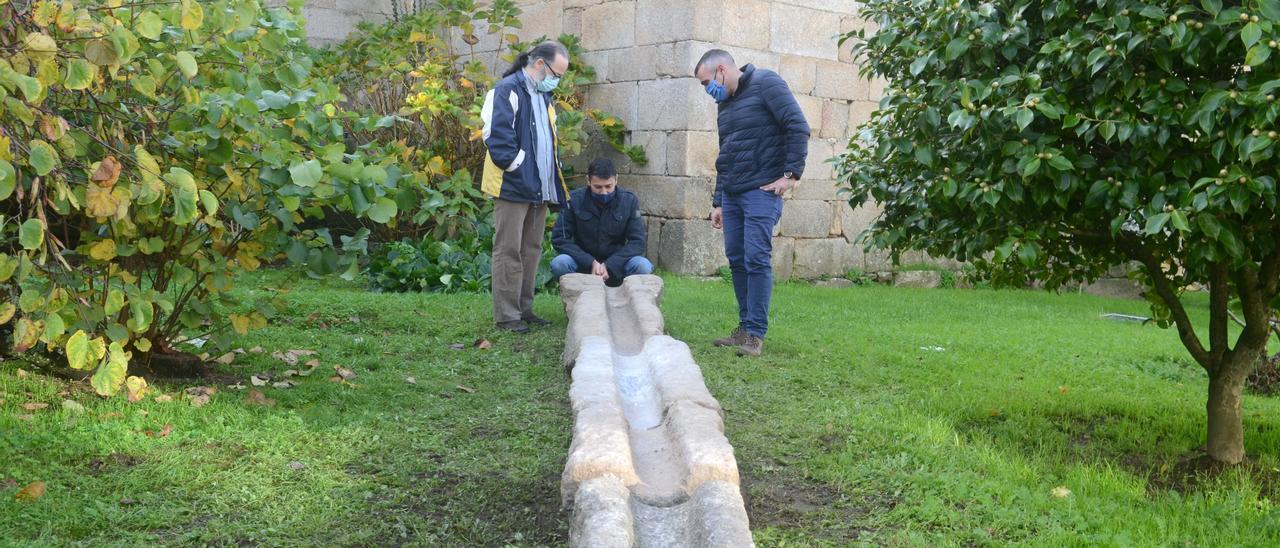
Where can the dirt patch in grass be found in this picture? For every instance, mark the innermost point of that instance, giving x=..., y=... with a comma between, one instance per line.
x=1195, y=470
x=776, y=497
x=114, y=460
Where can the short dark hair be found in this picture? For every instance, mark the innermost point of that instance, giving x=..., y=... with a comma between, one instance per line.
x=601, y=168
x=716, y=55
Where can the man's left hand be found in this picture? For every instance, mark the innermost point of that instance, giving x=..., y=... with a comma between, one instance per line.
x=781, y=186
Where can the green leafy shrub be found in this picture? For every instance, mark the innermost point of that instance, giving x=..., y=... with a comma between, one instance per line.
x=150, y=153
x=461, y=264
x=1053, y=140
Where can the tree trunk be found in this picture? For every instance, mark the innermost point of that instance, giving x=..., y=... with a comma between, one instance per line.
x=1226, y=428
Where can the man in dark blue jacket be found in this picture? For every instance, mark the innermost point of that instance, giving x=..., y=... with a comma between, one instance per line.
x=764, y=140
x=601, y=232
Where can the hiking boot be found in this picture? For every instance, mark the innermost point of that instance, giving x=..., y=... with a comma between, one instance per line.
x=534, y=320
x=736, y=338
x=751, y=347
x=514, y=326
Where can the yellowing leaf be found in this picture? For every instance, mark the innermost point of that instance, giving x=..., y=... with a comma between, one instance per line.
x=136, y=388
x=100, y=202
x=31, y=234
x=240, y=323
x=26, y=334
x=78, y=352
x=110, y=375
x=7, y=311
x=103, y=250
x=115, y=301
x=143, y=345
x=192, y=15
x=415, y=37
x=39, y=45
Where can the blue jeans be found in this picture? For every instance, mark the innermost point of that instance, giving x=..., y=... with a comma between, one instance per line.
x=749, y=219
x=564, y=264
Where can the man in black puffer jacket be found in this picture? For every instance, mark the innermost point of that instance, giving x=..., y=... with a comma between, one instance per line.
x=764, y=140
x=601, y=232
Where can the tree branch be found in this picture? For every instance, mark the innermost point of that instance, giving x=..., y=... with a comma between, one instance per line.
x=1164, y=289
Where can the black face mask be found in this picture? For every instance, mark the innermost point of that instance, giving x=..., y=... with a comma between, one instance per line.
x=603, y=199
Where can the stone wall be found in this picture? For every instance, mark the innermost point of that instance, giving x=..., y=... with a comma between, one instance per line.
x=644, y=52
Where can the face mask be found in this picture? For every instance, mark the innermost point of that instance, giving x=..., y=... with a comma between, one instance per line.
x=603, y=199
x=549, y=82
x=717, y=91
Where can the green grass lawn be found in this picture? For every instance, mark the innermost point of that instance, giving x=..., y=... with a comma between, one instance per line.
x=879, y=415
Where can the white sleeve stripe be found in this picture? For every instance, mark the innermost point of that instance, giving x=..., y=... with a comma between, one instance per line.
x=486, y=114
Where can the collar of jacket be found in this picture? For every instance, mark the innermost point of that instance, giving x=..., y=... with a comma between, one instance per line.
x=748, y=70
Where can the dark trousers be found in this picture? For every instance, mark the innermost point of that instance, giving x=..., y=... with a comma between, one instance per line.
x=517, y=248
x=749, y=219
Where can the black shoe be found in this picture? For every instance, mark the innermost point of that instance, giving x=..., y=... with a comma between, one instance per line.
x=534, y=320
x=516, y=326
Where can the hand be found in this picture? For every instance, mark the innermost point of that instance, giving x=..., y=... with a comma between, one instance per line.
x=600, y=270
x=717, y=219
x=781, y=186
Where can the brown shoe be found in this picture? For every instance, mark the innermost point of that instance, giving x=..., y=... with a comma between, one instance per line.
x=536, y=321
x=736, y=338
x=752, y=347
x=516, y=326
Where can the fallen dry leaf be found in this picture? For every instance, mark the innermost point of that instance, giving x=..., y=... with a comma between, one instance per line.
x=259, y=380
x=21, y=373
x=290, y=373
x=26, y=417
x=111, y=415
x=31, y=492
x=297, y=465
x=284, y=384
x=163, y=433
x=466, y=389
x=1061, y=492
x=257, y=350
x=236, y=386
x=227, y=358
x=164, y=398
x=8, y=483
x=127, y=502
x=312, y=363
x=256, y=397
x=457, y=346
x=345, y=373
x=994, y=412
x=1062, y=389
x=199, y=395
x=411, y=380
x=143, y=412
x=483, y=344
x=34, y=406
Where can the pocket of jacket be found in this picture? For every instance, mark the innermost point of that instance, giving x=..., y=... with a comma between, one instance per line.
x=515, y=164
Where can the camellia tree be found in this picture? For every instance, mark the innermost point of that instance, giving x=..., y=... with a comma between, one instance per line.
x=151, y=153
x=1053, y=140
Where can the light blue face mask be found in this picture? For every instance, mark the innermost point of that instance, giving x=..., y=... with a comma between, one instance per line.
x=717, y=91
x=550, y=81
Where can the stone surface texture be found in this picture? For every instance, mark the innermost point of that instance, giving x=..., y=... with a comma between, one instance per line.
x=649, y=464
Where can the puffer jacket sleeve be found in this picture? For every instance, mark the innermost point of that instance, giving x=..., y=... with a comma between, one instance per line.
x=784, y=108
